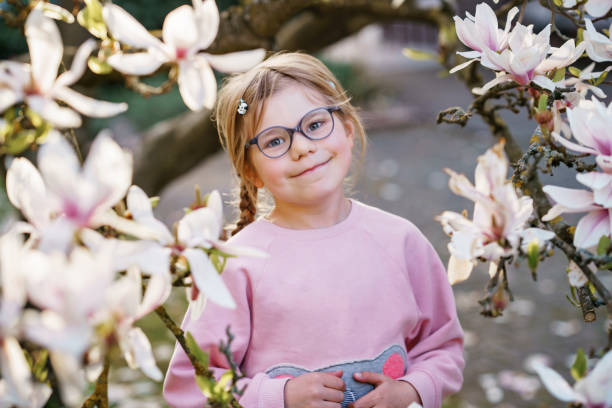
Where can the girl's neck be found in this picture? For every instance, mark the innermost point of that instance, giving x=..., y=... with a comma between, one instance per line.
x=295, y=216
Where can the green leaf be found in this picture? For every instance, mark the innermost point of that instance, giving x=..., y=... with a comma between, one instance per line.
x=601, y=78
x=574, y=71
x=418, y=55
x=603, y=245
x=559, y=75
x=533, y=254
x=580, y=36
x=154, y=201
x=579, y=368
x=205, y=384
x=558, y=3
x=542, y=102
x=200, y=355
x=91, y=18
x=98, y=67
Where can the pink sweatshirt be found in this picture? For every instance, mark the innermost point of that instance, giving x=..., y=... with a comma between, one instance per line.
x=366, y=294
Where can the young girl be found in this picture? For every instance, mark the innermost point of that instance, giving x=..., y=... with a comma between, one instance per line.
x=352, y=307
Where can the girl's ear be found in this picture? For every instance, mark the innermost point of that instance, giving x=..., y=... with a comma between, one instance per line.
x=251, y=175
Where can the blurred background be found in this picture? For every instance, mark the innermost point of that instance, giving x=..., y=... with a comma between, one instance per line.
x=399, y=99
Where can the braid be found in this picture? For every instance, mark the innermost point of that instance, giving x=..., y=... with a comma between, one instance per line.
x=248, y=205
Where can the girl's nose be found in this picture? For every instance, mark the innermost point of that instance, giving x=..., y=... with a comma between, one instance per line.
x=301, y=146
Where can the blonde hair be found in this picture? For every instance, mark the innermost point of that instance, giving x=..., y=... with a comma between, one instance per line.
x=254, y=87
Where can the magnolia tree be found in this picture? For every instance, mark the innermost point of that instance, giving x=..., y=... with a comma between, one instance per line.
x=89, y=259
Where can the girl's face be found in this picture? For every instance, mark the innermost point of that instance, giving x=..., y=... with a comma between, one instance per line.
x=312, y=171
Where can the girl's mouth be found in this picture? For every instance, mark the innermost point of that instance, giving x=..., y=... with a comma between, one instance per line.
x=313, y=168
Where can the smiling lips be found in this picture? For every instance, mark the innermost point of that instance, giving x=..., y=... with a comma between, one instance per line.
x=312, y=168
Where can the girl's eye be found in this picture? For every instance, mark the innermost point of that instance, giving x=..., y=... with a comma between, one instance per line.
x=274, y=142
x=314, y=126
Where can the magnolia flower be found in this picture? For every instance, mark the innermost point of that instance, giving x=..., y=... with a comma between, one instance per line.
x=592, y=391
x=586, y=74
x=597, y=203
x=480, y=31
x=519, y=62
x=591, y=124
x=499, y=220
x=197, y=231
x=561, y=57
x=37, y=83
x=596, y=8
x=16, y=386
x=64, y=197
x=185, y=32
x=598, y=46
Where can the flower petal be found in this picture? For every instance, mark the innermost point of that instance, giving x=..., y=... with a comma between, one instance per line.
x=58, y=116
x=199, y=228
x=46, y=49
x=79, y=64
x=26, y=191
x=197, y=83
x=239, y=250
x=8, y=98
x=461, y=66
x=597, y=8
x=573, y=146
x=127, y=29
x=556, y=385
x=159, y=288
x=236, y=61
x=109, y=168
x=143, y=354
x=140, y=207
x=591, y=228
x=206, y=278
x=459, y=269
x=88, y=106
x=139, y=63
x=207, y=15
x=577, y=200
x=180, y=30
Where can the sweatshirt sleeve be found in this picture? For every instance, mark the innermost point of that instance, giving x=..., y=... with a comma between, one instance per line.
x=180, y=388
x=435, y=345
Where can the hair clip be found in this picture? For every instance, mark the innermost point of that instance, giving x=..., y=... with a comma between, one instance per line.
x=242, y=107
x=331, y=83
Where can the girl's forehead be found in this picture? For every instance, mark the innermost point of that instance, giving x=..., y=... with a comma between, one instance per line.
x=287, y=106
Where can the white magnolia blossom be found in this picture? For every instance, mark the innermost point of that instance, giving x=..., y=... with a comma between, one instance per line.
x=37, y=83
x=592, y=391
x=480, y=31
x=598, y=46
x=198, y=230
x=583, y=87
x=596, y=8
x=500, y=216
x=186, y=31
x=598, y=204
x=591, y=125
x=64, y=196
x=16, y=385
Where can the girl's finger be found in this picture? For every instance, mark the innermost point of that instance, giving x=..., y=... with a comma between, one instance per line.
x=370, y=377
x=332, y=395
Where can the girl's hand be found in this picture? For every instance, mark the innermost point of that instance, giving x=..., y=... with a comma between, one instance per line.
x=315, y=390
x=387, y=392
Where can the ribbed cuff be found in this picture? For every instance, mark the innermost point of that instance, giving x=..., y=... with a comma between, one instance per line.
x=272, y=392
x=425, y=386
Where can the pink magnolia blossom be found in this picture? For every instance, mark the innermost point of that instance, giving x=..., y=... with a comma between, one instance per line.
x=186, y=31
x=597, y=203
x=591, y=125
x=583, y=87
x=525, y=52
x=498, y=225
x=592, y=391
x=480, y=31
x=37, y=83
x=598, y=46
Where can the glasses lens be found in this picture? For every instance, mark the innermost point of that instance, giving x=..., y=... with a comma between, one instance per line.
x=274, y=142
x=318, y=124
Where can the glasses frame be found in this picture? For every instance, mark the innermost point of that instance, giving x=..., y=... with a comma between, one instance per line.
x=292, y=131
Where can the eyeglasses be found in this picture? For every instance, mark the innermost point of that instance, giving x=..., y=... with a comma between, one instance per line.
x=275, y=141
